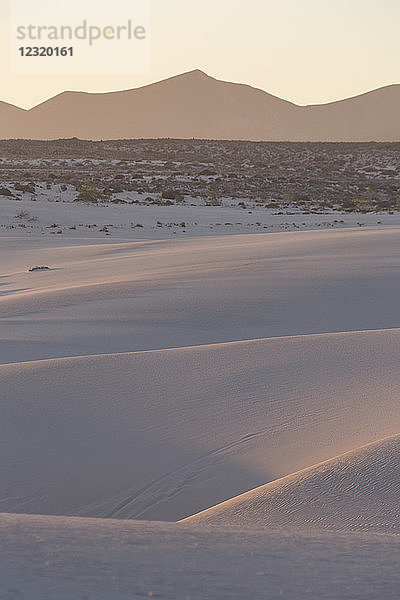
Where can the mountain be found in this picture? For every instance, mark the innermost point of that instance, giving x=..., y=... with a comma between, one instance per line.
x=195, y=105
x=374, y=116
x=7, y=113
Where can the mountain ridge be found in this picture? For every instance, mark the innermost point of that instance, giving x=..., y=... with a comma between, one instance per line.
x=196, y=105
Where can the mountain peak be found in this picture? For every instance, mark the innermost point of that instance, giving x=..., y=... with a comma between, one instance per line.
x=197, y=73
x=194, y=74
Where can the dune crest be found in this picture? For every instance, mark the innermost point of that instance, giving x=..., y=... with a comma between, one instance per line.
x=359, y=490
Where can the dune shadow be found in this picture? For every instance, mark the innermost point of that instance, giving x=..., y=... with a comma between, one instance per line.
x=129, y=475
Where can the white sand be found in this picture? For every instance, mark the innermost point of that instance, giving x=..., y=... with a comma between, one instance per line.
x=195, y=370
x=127, y=296
x=358, y=490
x=43, y=558
x=163, y=434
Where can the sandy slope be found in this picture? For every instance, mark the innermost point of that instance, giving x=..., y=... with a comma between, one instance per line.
x=164, y=434
x=357, y=490
x=117, y=297
x=42, y=558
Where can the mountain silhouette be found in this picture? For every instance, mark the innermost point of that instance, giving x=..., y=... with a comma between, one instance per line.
x=195, y=105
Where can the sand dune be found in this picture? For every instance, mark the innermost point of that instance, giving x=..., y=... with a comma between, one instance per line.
x=103, y=298
x=195, y=105
x=165, y=434
x=42, y=558
x=359, y=490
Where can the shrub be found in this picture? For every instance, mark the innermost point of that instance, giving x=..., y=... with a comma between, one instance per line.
x=89, y=192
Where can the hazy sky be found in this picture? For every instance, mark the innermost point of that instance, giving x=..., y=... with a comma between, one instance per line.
x=306, y=51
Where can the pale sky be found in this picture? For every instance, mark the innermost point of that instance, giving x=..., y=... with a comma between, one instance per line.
x=306, y=51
